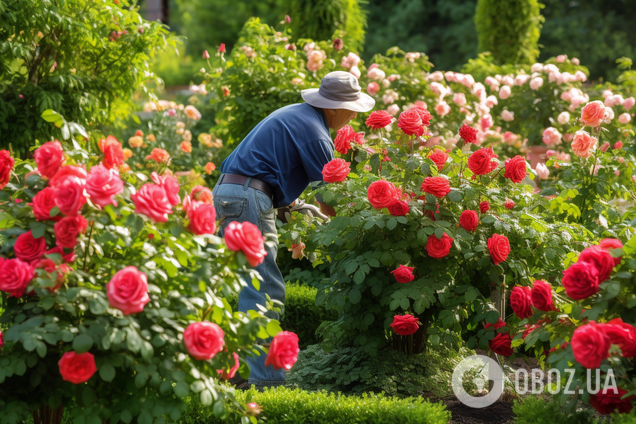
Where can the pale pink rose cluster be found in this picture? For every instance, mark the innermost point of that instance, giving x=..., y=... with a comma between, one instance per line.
x=576, y=98
x=542, y=171
x=624, y=118
x=614, y=100
x=314, y=58
x=438, y=89
x=466, y=80
x=389, y=97
x=536, y=83
x=412, y=57
x=375, y=73
x=442, y=108
x=249, y=52
x=351, y=62
x=563, y=118
x=507, y=115
x=436, y=76
x=584, y=144
x=493, y=83
x=551, y=136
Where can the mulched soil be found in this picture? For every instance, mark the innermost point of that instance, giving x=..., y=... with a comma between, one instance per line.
x=497, y=413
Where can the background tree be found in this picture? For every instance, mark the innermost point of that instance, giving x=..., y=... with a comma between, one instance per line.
x=510, y=29
x=81, y=58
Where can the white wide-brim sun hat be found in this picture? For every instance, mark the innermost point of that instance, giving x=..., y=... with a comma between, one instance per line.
x=339, y=90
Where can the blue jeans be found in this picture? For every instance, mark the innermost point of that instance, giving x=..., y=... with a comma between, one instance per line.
x=242, y=203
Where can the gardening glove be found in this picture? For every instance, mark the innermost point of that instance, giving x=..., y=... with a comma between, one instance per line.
x=306, y=209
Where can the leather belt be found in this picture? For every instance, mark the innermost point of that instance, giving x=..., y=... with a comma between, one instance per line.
x=254, y=183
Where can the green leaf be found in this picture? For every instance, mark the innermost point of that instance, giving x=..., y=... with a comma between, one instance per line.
x=273, y=327
x=404, y=303
x=206, y=398
x=126, y=417
x=38, y=230
x=107, y=372
x=82, y=343
x=144, y=418
x=181, y=389
x=391, y=224
x=29, y=344
x=359, y=276
x=454, y=196
x=50, y=115
x=492, y=317
x=488, y=219
x=439, y=233
x=355, y=296
x=41, y=349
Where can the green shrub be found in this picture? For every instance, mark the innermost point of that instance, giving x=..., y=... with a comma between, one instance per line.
x=509, y=29
x=351, y=370
x=535, y=410
x=318, y=19
x=624, y=418
x=293, y=406
x=301, y=315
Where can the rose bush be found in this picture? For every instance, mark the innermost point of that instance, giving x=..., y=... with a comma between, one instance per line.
x=126, y=292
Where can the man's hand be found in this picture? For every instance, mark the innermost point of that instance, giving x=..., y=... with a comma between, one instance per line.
x=305, y=209
x=326, y=209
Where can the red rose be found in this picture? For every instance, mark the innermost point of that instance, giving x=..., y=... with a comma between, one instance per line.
x=68, y=258
x=128, y=290
x=399, y=208
x=480, y=162
x=151, y=200
x=403, y=274
x=246, y=237
x=501, y=344
x=438, y=248
x=411, y=123
x=225, y=374
x=29, y=249
x=469, y=220
x=113, y=153
x=425, y=115
x=580, y=280
x=202, y=219
x=68, y=229
x=439, y=157
x=541, y=296
x=610, y=244
x=528, y=329
x=520, y=302
x=382, y=194
x=469, y=134
x=6, y=165
x=338, y=44
x=283, y=352
x=590, y=345
x=601, y=259
x=499, y=248
x=42, y=204
x=437, y=186
x=344, y=137
x=69, y=195
x=509, y=204
x=379, y=119
x=623, y=335
x=49, y=157
x=103, y=185
x=77, y=368
x=336, y=170
x=515, y=169
x=170, y=185
x=15, y=276
x=405, y=325
x=203, y=340
x=609, y=400
x=64, y=171
x=484, y=207
x=593, y=113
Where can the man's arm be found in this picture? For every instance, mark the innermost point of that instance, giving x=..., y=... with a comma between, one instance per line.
x=326, y=209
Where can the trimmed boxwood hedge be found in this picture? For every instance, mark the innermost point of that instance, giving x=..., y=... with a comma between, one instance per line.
x=287, y=406
x=301, y=314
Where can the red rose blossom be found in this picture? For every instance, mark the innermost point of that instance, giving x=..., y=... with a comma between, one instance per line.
x=283, y=352
x=623, y=335
x=541, y=296
x=42, y=204
x=515, y=169
x=438, y=248
x=49, y=157
x=29, y=249
x=103, y=185
x=590, y=345
x=439, y=157
x=403, y=274
x=469, y=220
x=203, y=340
x=77, y=368
x=151, y=200
x=437, y=186
x=69, y=195
x=379, y=119
x=601, y=259
x=520, y=302
x=405, y=325
x=66, y=170
x=336, y=170
x=484, y=207
x=128, y=290
x=6, y=165
x=225, y=374
x=245, y=237
x=509, y=204
x=68, y=229
x=113, y=153
x=411, y=123
x=382, y=194
x=469, y=134
x=170, y=185
x=344, y=137
x=499, y=248
x=15, y=276
x=202, y=219
x=610, y=400
x=580, y=280
x=481, y=161
x=399, y=208
x=610, y=244
x=501, y=344
x=425, y=115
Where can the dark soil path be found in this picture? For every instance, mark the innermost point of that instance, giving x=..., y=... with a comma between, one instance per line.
x=497, y=413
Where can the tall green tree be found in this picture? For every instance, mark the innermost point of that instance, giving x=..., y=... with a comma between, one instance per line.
x=509, y=29
x=81, y=58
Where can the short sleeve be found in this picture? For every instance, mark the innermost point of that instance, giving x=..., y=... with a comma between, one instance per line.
x=314, y=156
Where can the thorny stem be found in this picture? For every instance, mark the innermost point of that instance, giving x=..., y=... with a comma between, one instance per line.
x=88, y=245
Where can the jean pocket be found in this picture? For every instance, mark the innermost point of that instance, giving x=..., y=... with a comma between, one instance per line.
x=265, y=204
x=229, y=207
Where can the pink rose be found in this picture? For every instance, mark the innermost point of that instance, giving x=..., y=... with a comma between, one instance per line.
x=69, y=195
x=42, y=204
x=151, y=200
x=504, y=92
x=202, y=219
x=225, y=374
x=283, y=351
x=459, y=99
x=507, y=115
x=68, y=229
x=629, y=103
x=542, y=171
x=203, y=340
x=593, y=113
x=15, y=276
x=49, y=157
x=128, y=290
x=246, y=237
x=373, y=88
x=65, y=171
x=604, y=147
x=103, y=185
x=624, y=118
x=29, y=249
x=170, y=184
x=583, y=144
x=442, y=109
x=551, y=136
x=618, y=145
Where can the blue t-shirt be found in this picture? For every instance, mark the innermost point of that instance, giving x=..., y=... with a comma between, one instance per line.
x=287, y=150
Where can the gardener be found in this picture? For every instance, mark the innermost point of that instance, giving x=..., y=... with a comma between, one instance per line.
x=269, y=169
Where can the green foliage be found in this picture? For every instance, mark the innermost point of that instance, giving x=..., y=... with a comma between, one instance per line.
x=624, y=418
x=351, y=370
x=290, y=406
x=82, y=58
x=535, y=410
x=175, y=67
x=509, y=29
x=318, y=19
